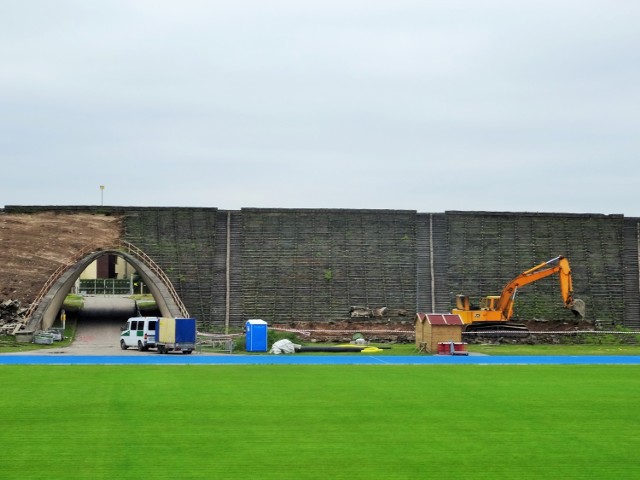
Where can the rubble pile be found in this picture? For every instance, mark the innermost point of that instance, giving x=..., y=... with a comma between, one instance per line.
x=11, y=316
x=375, y=331
x=376, y=312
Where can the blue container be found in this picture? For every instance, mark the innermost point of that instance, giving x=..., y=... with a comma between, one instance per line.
x=256, y=336
x=186, y=330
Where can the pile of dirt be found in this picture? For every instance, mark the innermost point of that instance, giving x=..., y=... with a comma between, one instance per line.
x=557, y=325
x=33, y=246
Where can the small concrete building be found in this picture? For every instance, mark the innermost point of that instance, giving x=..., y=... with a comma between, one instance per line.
x=433, y=328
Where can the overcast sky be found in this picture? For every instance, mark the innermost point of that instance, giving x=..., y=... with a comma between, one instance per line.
x=522, y=106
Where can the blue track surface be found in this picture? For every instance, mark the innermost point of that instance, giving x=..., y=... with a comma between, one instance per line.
x=313, y=360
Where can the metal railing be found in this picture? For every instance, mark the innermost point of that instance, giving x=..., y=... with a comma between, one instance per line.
x=106, y=286
x=83, y=252
x=155, y=268
x=121, y=245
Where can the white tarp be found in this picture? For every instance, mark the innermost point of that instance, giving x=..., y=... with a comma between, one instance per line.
x=283, y=346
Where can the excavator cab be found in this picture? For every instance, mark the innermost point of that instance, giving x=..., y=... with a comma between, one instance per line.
x=490, y=302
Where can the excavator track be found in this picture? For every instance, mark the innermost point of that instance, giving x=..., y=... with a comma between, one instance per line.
x=501, y=328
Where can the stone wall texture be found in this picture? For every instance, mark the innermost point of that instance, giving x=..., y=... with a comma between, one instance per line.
x=285, y=265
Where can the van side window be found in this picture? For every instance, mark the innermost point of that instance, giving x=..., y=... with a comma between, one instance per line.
x=134, y=325
x=152, y=325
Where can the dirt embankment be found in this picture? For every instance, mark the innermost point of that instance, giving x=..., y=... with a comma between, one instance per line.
x=33, y=246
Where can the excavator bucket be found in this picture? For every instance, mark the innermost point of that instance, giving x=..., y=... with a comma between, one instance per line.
x=578, y=308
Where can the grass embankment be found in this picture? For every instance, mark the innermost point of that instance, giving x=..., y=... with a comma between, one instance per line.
x=146, y=304
x=343, y=422
x=73, y=303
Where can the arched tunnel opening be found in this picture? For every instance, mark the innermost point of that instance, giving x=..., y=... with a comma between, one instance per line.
x=107, y=293
x=98, y=294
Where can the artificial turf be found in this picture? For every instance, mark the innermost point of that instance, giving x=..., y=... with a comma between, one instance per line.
x=352, y=422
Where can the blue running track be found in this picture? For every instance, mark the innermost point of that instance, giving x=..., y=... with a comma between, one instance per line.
x=177, y=359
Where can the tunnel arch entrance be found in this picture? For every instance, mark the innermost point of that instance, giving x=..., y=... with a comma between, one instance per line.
x=46, y=307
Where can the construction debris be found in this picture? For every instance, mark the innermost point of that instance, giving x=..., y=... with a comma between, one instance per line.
x=11, y=316
x=376, y=312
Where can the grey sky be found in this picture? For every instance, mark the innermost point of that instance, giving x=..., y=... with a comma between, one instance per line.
x=424, y=105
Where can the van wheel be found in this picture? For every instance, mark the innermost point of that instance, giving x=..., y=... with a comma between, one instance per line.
x=140, y=347
x=123, y=345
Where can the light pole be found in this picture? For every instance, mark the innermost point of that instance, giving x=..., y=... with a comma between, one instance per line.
x=101, y=195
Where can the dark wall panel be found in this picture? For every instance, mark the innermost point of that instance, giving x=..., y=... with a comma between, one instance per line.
x=631, y=274
x=297, y=264
x=486, y=250
x=316, y=264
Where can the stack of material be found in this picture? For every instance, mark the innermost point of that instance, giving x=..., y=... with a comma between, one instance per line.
x=11, y=316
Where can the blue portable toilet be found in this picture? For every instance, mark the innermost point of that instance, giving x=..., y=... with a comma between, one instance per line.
x=256, y=336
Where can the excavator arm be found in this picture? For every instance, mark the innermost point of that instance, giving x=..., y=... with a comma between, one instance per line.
x=559, y=265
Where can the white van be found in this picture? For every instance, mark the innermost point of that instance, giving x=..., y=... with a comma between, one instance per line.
x=139, y=332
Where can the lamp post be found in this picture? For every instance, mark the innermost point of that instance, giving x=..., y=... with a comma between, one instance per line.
x=101, y=195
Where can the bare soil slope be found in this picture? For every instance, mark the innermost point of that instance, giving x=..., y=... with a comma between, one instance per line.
x=33, y=246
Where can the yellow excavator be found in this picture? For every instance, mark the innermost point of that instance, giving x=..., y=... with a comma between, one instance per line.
x=495, y=311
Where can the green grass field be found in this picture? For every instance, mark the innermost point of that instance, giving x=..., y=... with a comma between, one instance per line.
x=351, y=422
